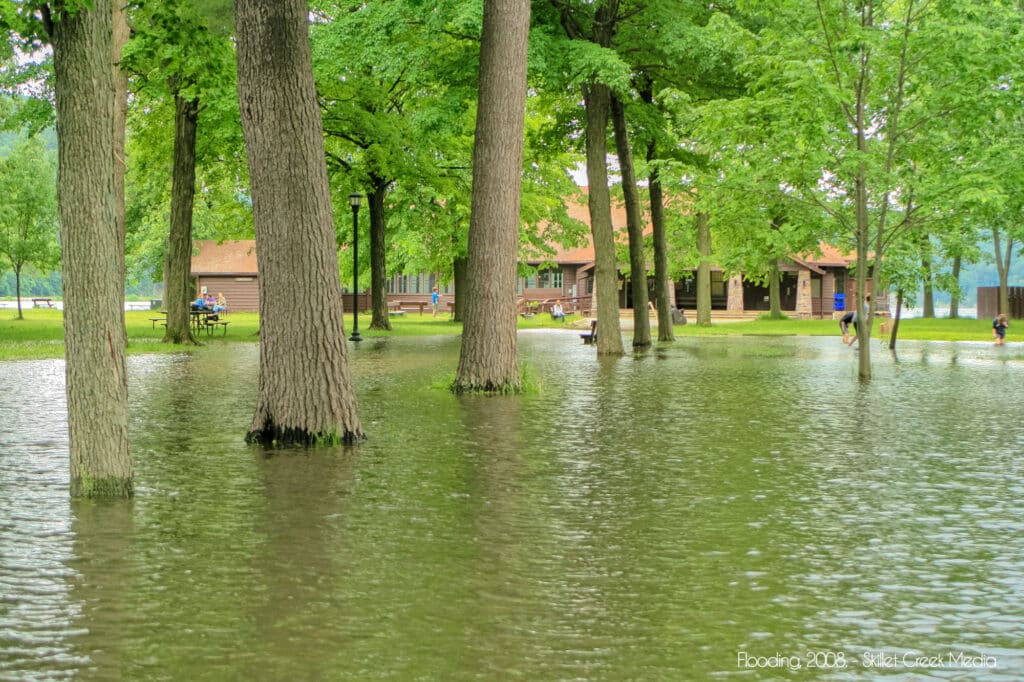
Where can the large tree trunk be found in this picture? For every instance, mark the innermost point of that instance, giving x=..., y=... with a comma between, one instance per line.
x=121, y=34
x=774, y=292
x=661, y=281
x=305, y=388
x=954, y=295
x=487, y=362
x=896, y=319
x=597, y=99
x=378, y=258
x=178, y=257
x=702, y=225
x=460, y=277
x=17, y=290
x=1003, y=260
x=662, y=295
x=864, y=321
x=928, y=299
x=94, y=332
x=634, y=222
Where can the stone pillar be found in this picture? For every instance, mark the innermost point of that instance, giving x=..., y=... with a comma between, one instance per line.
x=734, y=302
x=804, y=303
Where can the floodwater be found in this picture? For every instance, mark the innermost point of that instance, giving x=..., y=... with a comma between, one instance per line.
x=734, y=507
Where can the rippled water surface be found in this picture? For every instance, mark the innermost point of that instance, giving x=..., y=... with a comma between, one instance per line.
x=669, y=516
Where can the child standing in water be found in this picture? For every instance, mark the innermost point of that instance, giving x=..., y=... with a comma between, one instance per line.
x=999, y=326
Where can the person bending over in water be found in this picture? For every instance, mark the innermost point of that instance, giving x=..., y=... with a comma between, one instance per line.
x=999, y=326
x=844, y=326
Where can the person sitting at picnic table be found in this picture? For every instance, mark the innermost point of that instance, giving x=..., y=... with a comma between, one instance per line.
x=557, y=312
x=221, y=304
x=199, y=303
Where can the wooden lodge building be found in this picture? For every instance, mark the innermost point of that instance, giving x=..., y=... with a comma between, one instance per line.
x=808, y=289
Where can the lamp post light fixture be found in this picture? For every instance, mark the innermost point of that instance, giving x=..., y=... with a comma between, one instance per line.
x=354, y=200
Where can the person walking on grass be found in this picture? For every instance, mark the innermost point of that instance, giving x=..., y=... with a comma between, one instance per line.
x=999, y=325
x=435, y=300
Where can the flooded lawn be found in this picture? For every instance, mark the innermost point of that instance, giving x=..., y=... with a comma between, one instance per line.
x=727, y=507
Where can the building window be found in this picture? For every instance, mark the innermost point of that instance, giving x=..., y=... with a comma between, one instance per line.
x=815, y=287
x=717, y=283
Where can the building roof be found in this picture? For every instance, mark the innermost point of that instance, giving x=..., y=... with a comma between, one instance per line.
x=585, y=252
x=211, y=257
x=828, y=256
x=238, y=257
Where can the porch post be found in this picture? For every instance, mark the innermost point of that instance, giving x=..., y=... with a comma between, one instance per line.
x=804, y=304
x=734, y=302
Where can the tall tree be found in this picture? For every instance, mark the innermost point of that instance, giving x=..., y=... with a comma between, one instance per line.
x=397, y=81
x=28, y=216
x=590, y=29
x=178, y=290
x=177, y=58
x=487, y=361
x=305, y=388
x=94, y=332
x=634, y=223
x=893, y=71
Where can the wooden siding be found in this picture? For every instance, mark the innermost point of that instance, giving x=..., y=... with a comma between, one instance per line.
x=988, y=303
x=242, y=292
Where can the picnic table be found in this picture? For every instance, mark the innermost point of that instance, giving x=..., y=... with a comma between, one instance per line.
x=199, y=319
x=38, y=302
x=414, y=304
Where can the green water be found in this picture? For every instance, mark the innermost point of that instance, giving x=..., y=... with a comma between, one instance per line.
x=670, y=516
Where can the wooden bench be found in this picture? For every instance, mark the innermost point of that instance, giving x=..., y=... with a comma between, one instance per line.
x=414, y=304
x=592, y=336
x=211, y=324
x=37, y=302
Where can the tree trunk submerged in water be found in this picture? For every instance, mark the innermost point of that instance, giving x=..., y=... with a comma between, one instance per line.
x=94, y=332
x=487, y=361
x=305, y=388
x=178, y=256
x=378, y=259
x=634, y=220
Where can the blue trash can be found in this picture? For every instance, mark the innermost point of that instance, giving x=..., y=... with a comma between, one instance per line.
x=840, y=302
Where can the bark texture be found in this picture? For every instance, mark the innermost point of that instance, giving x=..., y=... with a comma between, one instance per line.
x=487, y=362
x=928, y=297
x=702, y=225
x=178, y=255
x=954, y=295
x=460, y=276
x=634, y=222
x=94, y=332
x=774, y=292
x=305, y=388
x=378, y=258
x=661, y=280
x=597, y=99
x=121, y=32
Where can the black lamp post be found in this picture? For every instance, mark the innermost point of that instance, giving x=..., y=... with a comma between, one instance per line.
x=354, y=200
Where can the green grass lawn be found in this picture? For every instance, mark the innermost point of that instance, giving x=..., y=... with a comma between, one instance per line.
x=41, y=333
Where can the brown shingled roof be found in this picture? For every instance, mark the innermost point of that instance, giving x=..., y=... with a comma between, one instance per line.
x=829, y=256
x=224, y=258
